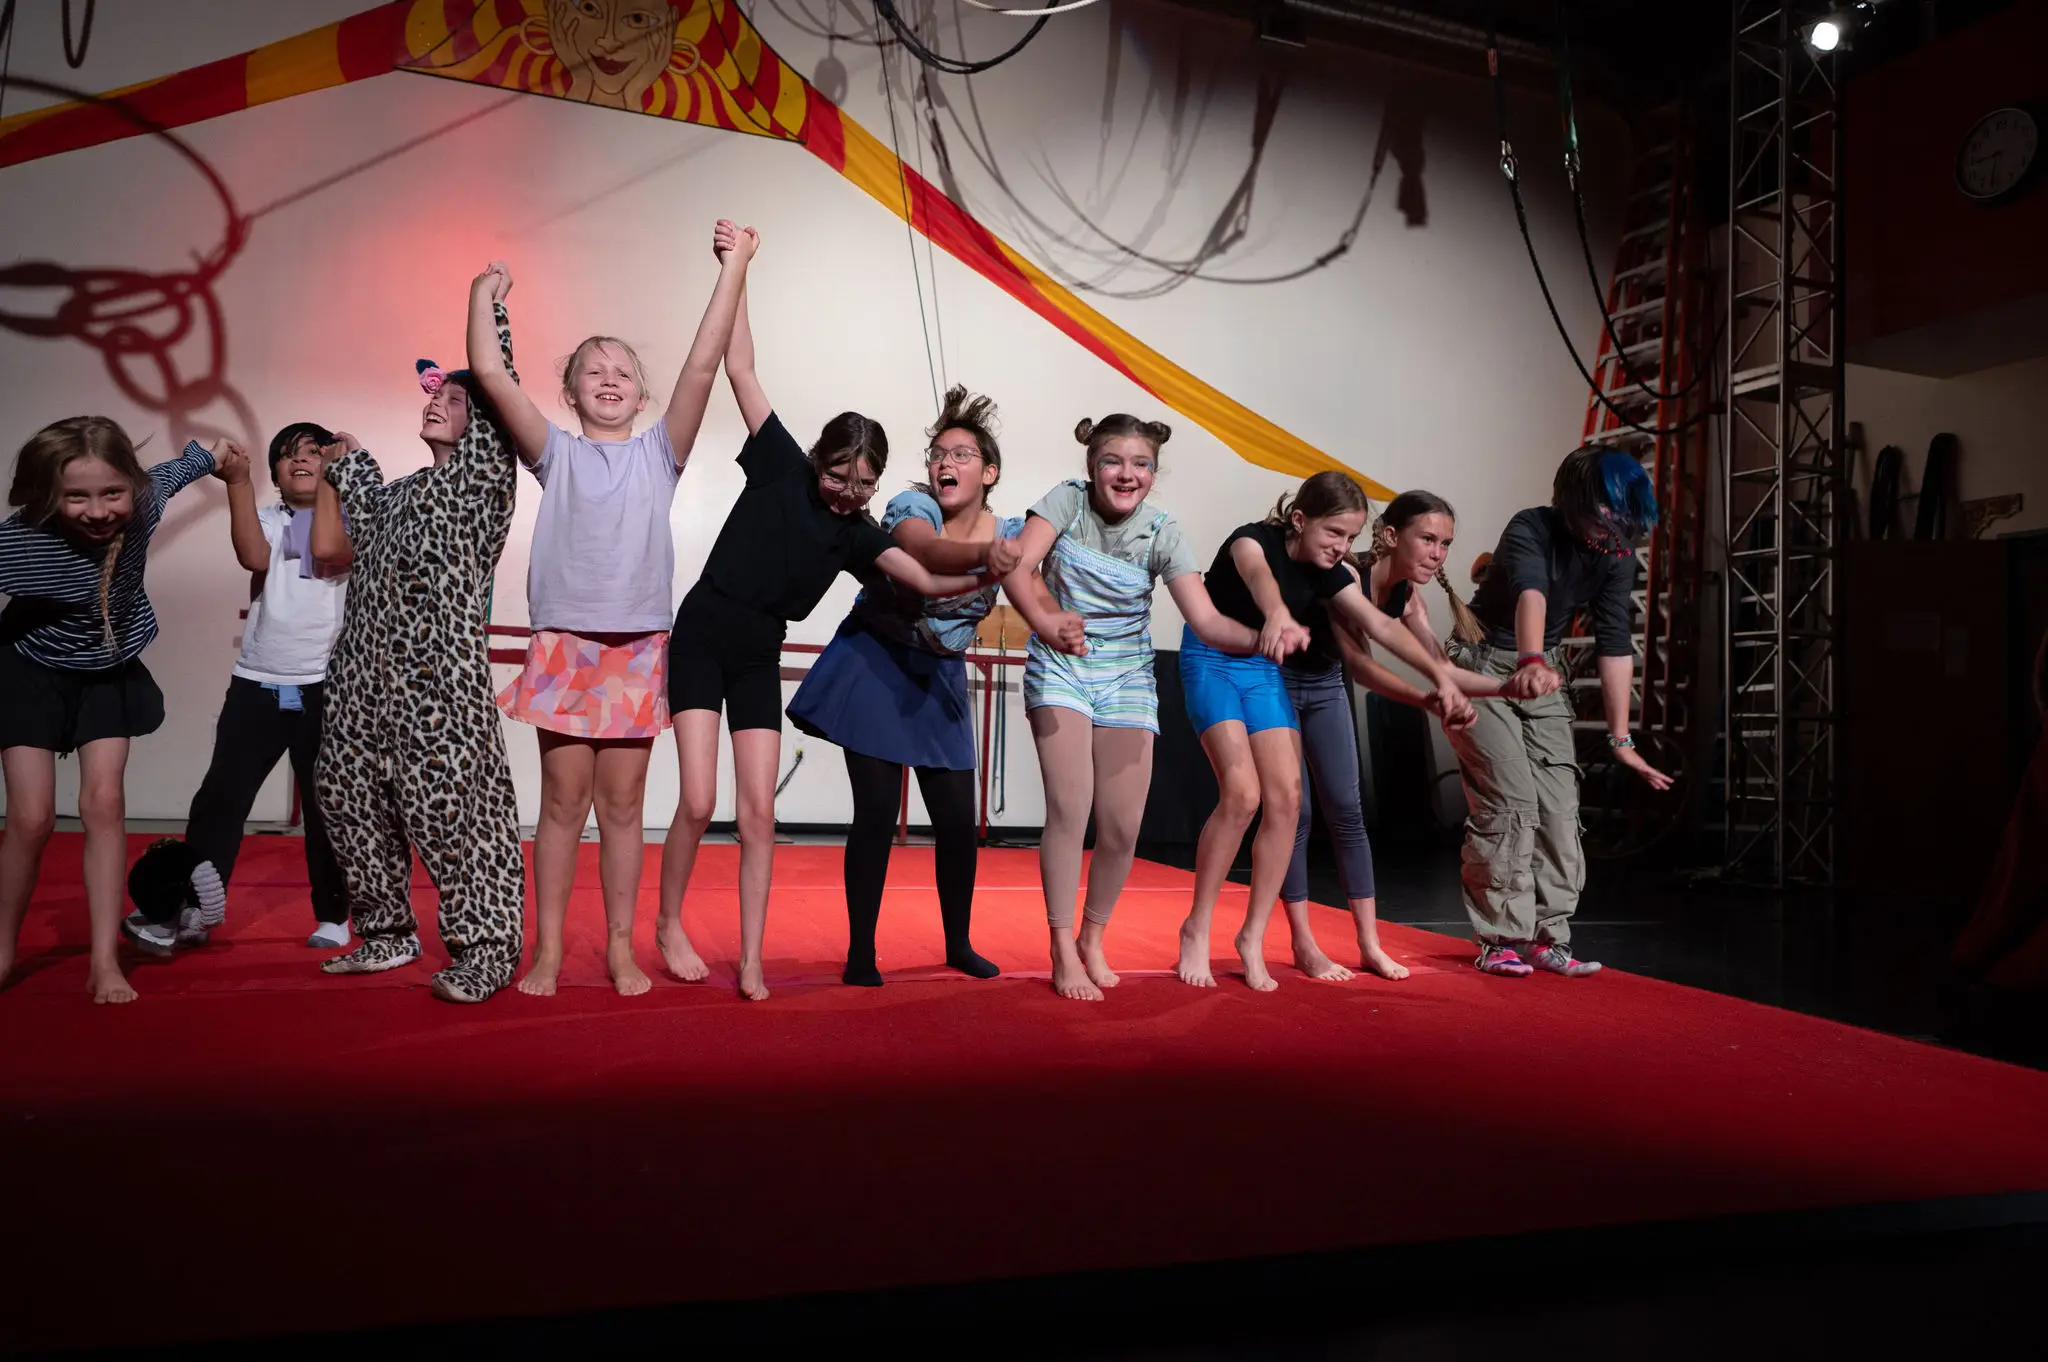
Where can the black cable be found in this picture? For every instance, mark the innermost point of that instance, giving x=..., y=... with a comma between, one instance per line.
x=6, y=50
x=1885, y=476
x=1509, y=170
x=955, y=66
x=909, y=234
x=1571, y=175
x=77, y=59
x=931, y=260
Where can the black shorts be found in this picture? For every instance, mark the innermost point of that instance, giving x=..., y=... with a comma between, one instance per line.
x=62, y=711
x=722, y=654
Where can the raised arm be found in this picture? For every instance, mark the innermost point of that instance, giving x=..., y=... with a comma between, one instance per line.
x=936, y=552
x=1016, y=560
x=492, y=364
x=173, y=476
x=1211, y=625
x=734, y=247
x=245, y=531
x=755, y=408
x=329, y=542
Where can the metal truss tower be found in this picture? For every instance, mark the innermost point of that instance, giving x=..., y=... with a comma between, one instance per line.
x=1784, y=461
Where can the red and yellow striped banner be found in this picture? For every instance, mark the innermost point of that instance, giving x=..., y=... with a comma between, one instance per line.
x=690, y=61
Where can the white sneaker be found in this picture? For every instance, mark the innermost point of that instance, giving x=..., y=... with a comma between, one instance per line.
x=329, y=935
x=158, y=938
x=193, y=928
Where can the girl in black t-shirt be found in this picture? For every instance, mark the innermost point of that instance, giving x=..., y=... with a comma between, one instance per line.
x=1269, y=576
x=800, y=522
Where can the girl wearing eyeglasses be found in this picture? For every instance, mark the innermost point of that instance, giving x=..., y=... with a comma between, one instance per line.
x=891, y=687
x=799, y=523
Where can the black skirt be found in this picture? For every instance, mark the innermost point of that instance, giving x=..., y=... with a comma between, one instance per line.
x=61, y=711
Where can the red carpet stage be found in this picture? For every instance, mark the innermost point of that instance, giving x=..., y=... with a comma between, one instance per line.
x=256, y=1148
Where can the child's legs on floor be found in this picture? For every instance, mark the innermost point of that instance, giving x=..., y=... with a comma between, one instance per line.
x=621, y=799
x=1123, y=777
x=369, y=840
x=1558, y=861
x=103, y=808
x=949, y=800
x=253, y=733
x=1066, y=763
x=568, y=773
x=697, y=772
x=31, y=774
x=469, y=844
x=1500, y=824
x=323, y=870
x=756, y=755
x=877, y=798
x=1237, y=801
x=1276, y=755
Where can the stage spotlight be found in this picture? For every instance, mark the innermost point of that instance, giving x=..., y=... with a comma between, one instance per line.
x=1825, y=36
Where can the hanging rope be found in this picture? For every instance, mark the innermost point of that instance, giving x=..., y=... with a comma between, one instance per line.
x=957, y=66
x=1571, y=174
x=1510, y=171
x=909, y=233
x=77, y=59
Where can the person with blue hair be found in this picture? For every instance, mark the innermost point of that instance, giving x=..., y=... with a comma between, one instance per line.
x=1523, y=864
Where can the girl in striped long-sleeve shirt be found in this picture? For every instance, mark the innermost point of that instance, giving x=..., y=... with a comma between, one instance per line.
x=71, y=559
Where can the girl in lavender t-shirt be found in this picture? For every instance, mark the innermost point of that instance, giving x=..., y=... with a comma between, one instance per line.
x=598, y=586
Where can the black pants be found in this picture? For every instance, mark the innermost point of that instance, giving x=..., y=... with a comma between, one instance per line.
x=253, y=733
x=877, y=799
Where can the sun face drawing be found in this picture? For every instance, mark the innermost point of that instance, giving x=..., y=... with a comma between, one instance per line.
x=669, y=58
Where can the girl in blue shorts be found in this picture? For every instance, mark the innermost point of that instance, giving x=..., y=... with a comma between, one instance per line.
x=1268, y=577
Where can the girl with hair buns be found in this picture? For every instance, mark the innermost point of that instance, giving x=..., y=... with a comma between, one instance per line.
x=1290, y=567
x=1410, y=541
x=800, y=522
x=1088, y=684
x=891, y=688
x=71, y=638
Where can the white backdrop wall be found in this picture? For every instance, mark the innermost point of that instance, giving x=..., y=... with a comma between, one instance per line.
x=1422, y=357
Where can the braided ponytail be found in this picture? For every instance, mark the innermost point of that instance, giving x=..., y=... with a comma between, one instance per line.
x=1464, y=624
x=112, y=561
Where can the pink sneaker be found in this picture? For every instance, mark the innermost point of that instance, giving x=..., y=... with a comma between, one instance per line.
x=1558, y=960
x=1501, y=960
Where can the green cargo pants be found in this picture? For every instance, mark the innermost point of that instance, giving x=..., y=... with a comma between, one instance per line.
x=1523, y=866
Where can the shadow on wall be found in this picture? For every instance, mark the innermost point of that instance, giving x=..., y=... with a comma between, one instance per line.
x=1204, y=62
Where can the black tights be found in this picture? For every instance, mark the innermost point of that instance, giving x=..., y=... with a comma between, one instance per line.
x=877, y=798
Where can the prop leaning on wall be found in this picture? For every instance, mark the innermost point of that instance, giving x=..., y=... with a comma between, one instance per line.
x=703, y=64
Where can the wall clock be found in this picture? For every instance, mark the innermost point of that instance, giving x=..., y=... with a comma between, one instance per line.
x=2000, y=158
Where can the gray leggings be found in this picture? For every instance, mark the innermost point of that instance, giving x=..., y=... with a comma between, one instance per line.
x=1329, y=755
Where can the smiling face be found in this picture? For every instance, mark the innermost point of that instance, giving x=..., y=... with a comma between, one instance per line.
x=444, y=419
x=1421, y=546
x=614, y=49
x=957, y=471
x=94, y=501
x=1122, y=476
x=1324, y=540
x=848, y=487
x=297, y=474
x=605, y=390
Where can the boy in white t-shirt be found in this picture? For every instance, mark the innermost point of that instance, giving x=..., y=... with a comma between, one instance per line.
x=275, y=698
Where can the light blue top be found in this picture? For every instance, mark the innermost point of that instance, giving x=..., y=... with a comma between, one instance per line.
x=937, y=624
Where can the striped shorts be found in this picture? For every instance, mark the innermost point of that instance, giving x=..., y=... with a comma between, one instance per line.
x=1113, y=685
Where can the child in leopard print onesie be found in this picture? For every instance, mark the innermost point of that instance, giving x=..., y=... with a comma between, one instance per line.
x=413, y=756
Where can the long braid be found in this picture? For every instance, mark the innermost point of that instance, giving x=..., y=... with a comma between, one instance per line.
x=1464, y=624
x=113, y=559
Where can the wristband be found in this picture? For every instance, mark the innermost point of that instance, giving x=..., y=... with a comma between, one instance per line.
x=1526, y=658
x=1626, y=740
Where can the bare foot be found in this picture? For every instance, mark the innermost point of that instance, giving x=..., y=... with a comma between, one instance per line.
x=1256, y=976
x=109, y=985
x=1379, y=962
x=1310, y=960
x=678, y=954
x=1194, y=959
x=1070, y=979
x=1095, y=965
x=753, y=987
x=627, y=977
x=540, y=980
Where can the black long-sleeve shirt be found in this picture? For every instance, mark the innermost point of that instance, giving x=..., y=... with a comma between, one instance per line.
x=1538, y=553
